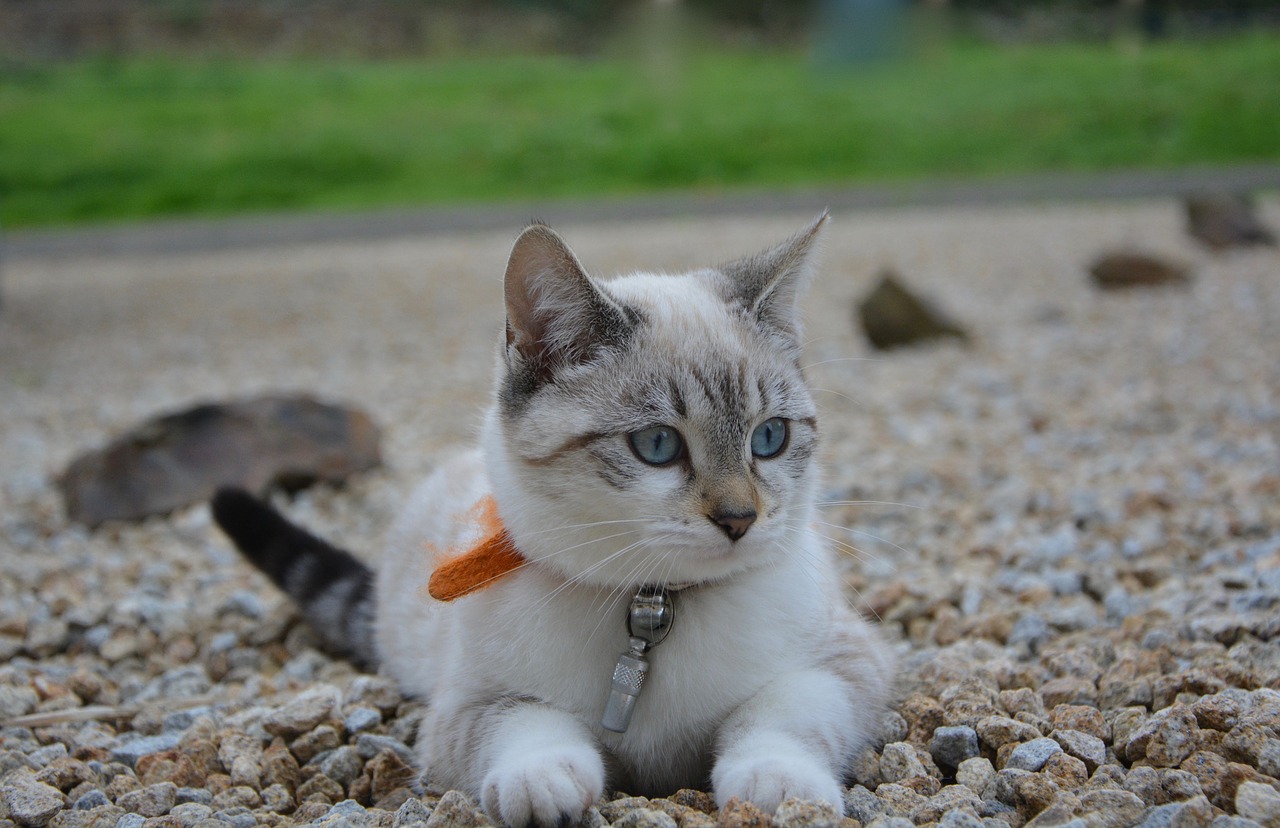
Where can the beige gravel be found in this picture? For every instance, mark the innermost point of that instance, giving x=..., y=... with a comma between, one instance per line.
x=1081, y=507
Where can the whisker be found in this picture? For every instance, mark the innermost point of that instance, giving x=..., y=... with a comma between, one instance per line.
x=863, y=534
x=842, y=395
x=839, y=359
x=866, y=503
x=846, y=548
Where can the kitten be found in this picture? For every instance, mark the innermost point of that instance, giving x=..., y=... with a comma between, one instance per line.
x=651, y=436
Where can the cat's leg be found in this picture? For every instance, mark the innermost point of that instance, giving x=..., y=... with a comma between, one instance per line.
x=796, y=737
x=535, y=765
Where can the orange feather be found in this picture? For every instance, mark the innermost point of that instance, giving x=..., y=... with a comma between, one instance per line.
x=494, y=556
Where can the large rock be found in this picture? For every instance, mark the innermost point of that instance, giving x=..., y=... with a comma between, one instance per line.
x=1129, y=269
x=893, y=316
x=1223, y=220
x=179, y=459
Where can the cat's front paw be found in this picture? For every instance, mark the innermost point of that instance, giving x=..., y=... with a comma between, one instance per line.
x=544, y=788
x=768, y=781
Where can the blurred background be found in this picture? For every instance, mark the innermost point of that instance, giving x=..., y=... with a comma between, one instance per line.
x=121, y=110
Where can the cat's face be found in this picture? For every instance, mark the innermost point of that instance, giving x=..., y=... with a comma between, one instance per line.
x=653, y=428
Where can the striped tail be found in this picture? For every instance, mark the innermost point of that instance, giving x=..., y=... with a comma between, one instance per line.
x=332, y=588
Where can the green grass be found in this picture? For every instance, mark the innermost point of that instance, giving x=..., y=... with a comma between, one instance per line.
x=111, y=140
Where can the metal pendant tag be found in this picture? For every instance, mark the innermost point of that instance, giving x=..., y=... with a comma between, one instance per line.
x=628, y=680
x=649, y=620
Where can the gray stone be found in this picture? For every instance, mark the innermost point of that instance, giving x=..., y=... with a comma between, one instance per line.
x=959, y=819
x=180, y=459
x=411, y=814
x=129, y=752
x=17, y=701
x=347, y=807
x=892, y=316
x=1084, y=746
x=342, y=765
x=456, y=810
x=191, y=812
x=1030, y=630
x=952, y=745
x=796, y=813
x=976, y=774
x=362, y=718
x=1259, y=802
x=151, y=801
x=131, y=821
x=302, y=714
x=48, y=753
x=1221, y=220
x=370, y=745
x=1195, y=811
x=898, y=761
x=891, y=822
x=861, y=804
x=236, y=817
x=90, y=800
x=1129, y=269
x=1031, y=756
x=199, y=796
x=29, y=802
x=1113, y=809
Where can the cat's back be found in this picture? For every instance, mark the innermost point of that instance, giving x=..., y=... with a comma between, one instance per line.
x=429, y=527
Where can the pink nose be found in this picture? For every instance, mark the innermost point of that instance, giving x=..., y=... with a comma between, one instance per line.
x=734, y=524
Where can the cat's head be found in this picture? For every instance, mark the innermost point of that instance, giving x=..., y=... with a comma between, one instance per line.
x=653, y=428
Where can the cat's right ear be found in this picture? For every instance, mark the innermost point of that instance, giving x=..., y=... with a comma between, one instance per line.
x=556, y=316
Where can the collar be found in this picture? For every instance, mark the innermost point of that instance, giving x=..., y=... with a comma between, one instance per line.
x=492, y=558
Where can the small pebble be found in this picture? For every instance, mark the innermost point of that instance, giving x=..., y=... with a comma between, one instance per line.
x=1260, y=803
x=362, y=718
x=952, y=745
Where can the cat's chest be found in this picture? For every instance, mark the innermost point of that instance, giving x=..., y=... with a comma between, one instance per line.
x=725, y=642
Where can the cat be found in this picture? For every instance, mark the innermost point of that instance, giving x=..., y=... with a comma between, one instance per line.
x=652, y=436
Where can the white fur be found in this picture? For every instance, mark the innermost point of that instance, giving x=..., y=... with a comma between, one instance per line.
x=767, y=684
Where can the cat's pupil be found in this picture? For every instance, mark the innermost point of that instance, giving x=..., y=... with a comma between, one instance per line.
x=658, y=445
x=769, y=437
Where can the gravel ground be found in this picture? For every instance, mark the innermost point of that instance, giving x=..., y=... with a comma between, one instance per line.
x=1073, y=527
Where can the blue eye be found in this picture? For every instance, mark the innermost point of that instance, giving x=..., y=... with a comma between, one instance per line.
x=769, y=438
x=657, y=446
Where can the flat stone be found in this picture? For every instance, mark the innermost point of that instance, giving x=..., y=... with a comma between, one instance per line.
x=1088, y=748
x=371, y=744
x=29, y=802
x=892, y=316
x=1222, y=220
x=996, y=731
x=180, y=459
x=151, y=801
x=1031, y=756
x=1260, y=803
x=131, y=751
x=1131, y=269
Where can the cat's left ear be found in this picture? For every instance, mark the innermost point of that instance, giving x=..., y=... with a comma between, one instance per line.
x=768, y=284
